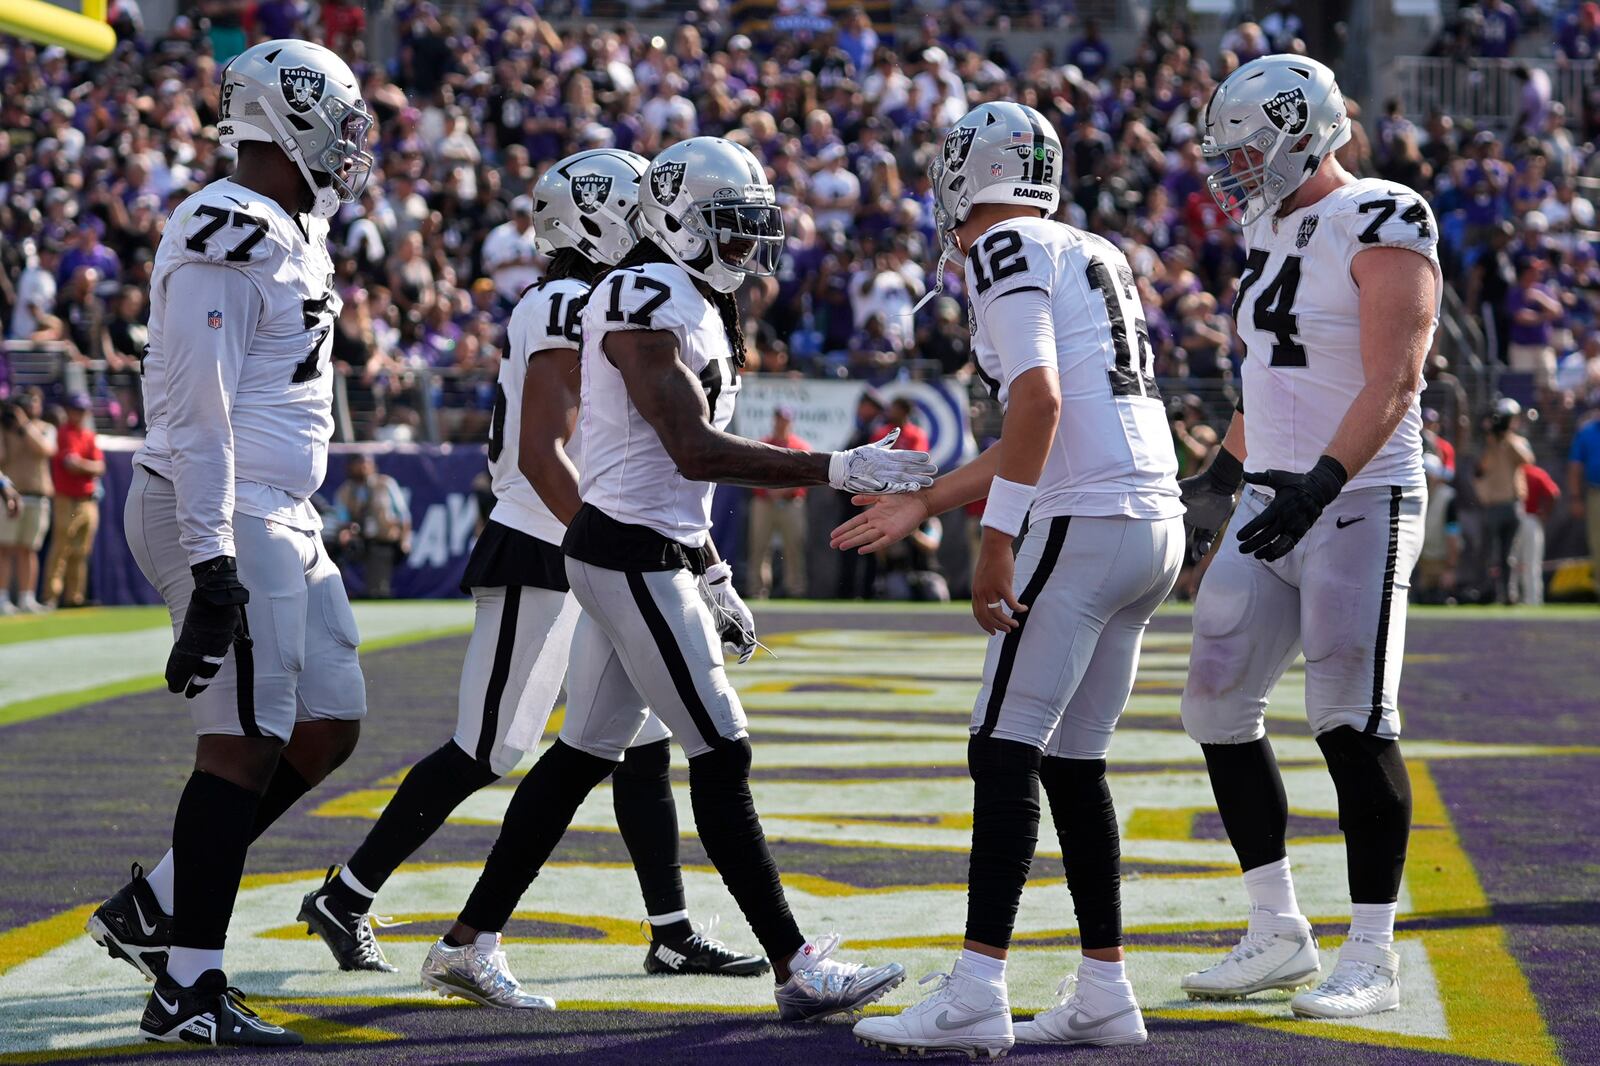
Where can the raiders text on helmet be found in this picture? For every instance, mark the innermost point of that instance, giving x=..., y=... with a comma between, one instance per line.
x=708, y=203
x=304, y=99
x=1272, y=122
x=589, y=202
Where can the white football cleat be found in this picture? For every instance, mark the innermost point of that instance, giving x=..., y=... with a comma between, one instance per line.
x=962, y=1013
x=478, y=973
x=1365, y=981
x=827, y=986
x=1278, y=951
x=1090, y=1012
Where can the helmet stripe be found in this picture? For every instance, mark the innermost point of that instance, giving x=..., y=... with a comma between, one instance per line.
x=1035, y=170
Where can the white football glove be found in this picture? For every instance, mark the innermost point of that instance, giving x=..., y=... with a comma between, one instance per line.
x=735, y=624
x=876, y=469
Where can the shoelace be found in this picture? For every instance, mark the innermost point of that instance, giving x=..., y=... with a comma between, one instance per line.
x=236, y=1001
x=1066, y=992
x=1249, y=947
x=940, y=991
x=822, y=948
x=1349, y=978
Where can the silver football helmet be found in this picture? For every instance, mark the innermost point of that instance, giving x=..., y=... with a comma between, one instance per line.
x=589, y=202
x=708, y=203
x=306, y=100
x=998, y=153
x=1272, y=122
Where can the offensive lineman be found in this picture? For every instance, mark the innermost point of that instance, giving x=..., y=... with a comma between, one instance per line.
x=662, y=347
x=239, y=396
x=1085, y=457
x=522, y=632
x=1336, y=308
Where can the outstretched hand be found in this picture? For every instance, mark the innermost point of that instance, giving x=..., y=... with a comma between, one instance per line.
x=886, y=520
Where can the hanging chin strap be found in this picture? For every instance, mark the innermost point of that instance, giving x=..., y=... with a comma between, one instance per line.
x=325, y=199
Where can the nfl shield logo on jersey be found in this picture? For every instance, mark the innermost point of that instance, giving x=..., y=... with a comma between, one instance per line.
x=590, y=191
x=665, y=181
x=1308, y=226
x=1288, y=110
x=302, y=87
x=214, y=319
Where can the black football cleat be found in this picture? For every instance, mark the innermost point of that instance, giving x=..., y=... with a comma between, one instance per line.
x=347, y=932
x=209, y=1012
x=131, y=926
x=700, y=953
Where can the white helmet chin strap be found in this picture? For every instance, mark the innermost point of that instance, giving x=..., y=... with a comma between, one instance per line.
x=938, y=283
x=324, y=199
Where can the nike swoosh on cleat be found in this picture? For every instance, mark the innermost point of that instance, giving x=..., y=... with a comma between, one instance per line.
x=943, y=1021
x=1341, y=523
x=322, y=905
x=149, y=929
x=1079, y=1024
x=171, y=1008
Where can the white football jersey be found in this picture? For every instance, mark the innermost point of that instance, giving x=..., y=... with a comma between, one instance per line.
x=1299, y=315
x=1046, y=294
x=237, y=386
x=545, y=318
x=626, y=470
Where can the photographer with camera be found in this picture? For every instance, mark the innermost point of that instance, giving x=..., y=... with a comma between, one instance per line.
x=1502, y=485
x=29, y=444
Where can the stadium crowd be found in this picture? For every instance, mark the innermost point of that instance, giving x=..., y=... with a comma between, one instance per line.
x=846, y=116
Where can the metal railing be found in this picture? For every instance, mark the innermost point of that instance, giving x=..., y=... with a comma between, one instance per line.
x=1485, y=92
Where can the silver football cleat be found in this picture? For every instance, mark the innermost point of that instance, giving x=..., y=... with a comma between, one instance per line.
x=827, y=987
x=479, y=974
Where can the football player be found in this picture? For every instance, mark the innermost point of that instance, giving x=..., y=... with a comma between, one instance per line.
x=1085, y=457
x=239, y=394
x=522, y=630
x=1336, y=308
x=662, y=345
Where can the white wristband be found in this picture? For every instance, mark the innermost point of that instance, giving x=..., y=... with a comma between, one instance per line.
x=1008, y=505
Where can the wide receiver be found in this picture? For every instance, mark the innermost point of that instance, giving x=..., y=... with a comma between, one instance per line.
x=1336, y=309
x=1085, y=458
x=239, y=394
x=662, y=348
x=522, y=629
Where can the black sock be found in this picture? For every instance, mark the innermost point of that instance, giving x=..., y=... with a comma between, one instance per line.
x=1251, y=800
x=730, y=829
x=210, y=836
x=1091, y=850
x=641, y=791
x=453, y=941
x=434, y=787
x=1005, y=830
x=285, y=788
x=540, y=811
x=1374, y=810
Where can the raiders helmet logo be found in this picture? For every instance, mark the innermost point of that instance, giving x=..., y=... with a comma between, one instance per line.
x=302, y=87
x=957, y=145
x=1288, y=110
x=1308, y=226
x=665, y=181
x=590, y=191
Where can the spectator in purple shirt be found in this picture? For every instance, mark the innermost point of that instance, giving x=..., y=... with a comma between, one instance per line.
x=1090, y=53
x=1533, y=311
x=283, y=18
x=87, y=251
x=1500, y=28
x=1579, y=35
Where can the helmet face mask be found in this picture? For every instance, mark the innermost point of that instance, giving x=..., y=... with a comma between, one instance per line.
x=708, y=203
x=747, y=237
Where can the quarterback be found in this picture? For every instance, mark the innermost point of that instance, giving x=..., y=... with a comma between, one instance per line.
x=1085, y=457
x=219, y=518
x=1336, y=308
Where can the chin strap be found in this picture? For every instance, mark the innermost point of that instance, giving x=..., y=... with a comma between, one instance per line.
x=324, y=199
x=938, y=283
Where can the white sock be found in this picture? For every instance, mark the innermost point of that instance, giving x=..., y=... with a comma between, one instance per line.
x=1271, y=888
x=983, y=967
x=185, y=965
x=348, y=879
x=5, y=597
x=160, y=881
x=1104, y=973
x=659, y=920
x=27, y=600
x=1373, y=923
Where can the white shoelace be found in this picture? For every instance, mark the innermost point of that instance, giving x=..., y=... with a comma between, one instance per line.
x=1350, y=978
x=1066, y=992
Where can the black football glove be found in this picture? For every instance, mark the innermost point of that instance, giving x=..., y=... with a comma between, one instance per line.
x=1208, y=499
x=214, y=623
x=1300, y=498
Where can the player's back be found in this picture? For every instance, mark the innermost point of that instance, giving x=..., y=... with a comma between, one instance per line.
x=546, y=318
x=627, y=472
x=1299, y=314
x=281, y=409
x=1113, y=451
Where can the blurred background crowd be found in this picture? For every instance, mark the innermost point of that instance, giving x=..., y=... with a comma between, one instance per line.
x=846, y=103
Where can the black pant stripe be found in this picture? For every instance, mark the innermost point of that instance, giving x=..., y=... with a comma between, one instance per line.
x=1380, y=652
x=504, y=645
x=1008, y=647
x=672, y=656
x=244, y=672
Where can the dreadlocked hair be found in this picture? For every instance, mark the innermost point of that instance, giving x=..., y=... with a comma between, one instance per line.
x=648, y=251
x=571, y=263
